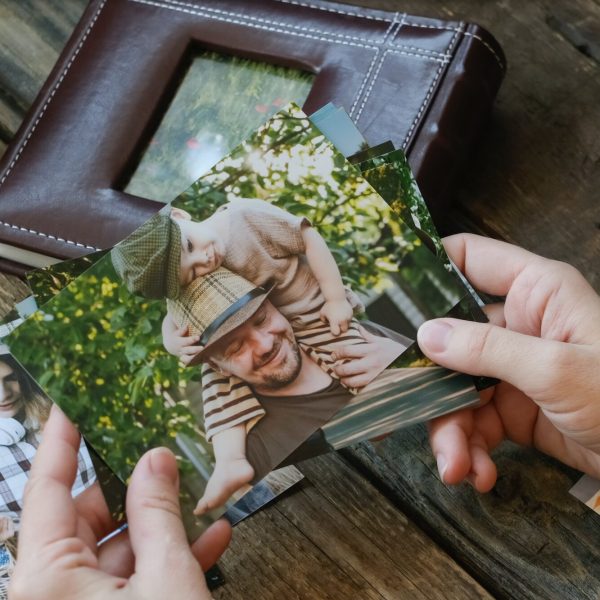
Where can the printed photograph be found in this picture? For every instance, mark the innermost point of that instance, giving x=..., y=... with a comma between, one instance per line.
x=24, y=410
x=267, y=315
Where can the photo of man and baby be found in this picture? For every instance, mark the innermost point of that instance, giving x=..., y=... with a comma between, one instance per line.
x=265, y=316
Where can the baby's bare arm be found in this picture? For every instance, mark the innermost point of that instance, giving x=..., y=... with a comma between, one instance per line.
x=336, y=310
x=178, y=342
x=323, y=265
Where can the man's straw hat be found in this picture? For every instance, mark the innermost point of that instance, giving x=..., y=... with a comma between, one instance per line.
x=215, y=304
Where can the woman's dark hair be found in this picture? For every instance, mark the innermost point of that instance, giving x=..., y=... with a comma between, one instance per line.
x=36, y=404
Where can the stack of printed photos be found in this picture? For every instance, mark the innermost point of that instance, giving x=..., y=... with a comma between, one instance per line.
x=266, y=315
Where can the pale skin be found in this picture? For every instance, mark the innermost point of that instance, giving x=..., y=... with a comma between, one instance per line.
x=543, y=343
x=58, y=554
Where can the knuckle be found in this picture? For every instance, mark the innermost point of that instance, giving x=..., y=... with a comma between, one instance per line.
x=480, y=344
x=567, y=271
x=564, y=276
x=160, y=501
x=341, y=370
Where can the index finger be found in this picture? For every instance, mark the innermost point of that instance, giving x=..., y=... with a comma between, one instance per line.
x=49, y=512
x=490, y=265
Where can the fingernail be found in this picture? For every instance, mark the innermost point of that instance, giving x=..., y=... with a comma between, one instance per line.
x=161, y=462
x=434, y=335
x=442, y=465
x=333, y=356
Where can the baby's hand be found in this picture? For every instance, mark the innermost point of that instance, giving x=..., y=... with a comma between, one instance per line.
x=338, y=313
x=178, y=343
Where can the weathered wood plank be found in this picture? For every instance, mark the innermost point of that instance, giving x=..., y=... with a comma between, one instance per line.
x=354, y=544
x=350, y=521
x=32, y=34
x=527, y=538
x=579, y=24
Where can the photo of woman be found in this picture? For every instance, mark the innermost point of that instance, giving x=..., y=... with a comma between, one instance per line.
x=24, y=410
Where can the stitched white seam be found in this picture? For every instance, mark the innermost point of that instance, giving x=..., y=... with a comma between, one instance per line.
x=189, y=11
x=364, y=82
x=264, y=21
x=160, y=4
x=429, y=91
x=47, y=235
x=395, y=34
x=372, y=84
x=41, y=114
x=388, y=31
x=368, y=73
x=247, y=19
x=500, y=62
x=372, y=18
x=334, y=10
x=465, y=33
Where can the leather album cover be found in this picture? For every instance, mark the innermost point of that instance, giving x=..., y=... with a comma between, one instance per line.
x=427, y=85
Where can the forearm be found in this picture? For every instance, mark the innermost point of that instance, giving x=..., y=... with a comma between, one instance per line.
x=323, y=265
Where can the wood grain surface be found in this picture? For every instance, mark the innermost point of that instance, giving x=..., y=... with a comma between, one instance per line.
x=376, y=522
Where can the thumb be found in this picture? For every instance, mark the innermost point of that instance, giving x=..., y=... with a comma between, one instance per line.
x=156, y=531
x=538, y=367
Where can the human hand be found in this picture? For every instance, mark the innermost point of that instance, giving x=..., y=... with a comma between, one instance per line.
x=338, y=313
x=365, y=361
x=7, y=528
x=177, y=341
x=58, y=553
x=543, y=342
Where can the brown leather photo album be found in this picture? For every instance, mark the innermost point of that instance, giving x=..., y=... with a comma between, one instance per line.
x=112, y=105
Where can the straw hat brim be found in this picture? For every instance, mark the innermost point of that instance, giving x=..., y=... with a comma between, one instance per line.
x=239, y=317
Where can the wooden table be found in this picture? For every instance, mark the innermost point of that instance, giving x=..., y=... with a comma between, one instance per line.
x=375, y=521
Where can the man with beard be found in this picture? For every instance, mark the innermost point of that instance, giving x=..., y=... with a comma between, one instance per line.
x=242, y=334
